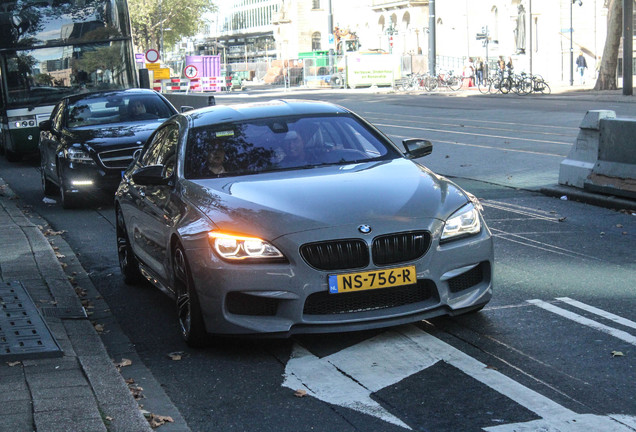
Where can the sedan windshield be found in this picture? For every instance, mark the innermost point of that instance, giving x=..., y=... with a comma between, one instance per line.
x=116, y=109
x=281, y=143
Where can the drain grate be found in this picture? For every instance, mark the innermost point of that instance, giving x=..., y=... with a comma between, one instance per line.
x=23, y=332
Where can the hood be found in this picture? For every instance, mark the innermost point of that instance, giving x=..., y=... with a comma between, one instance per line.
x=113, y=135
x=393, y=193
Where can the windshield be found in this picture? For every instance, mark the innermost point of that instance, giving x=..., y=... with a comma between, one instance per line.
x=43, y=76
x=116, y=109
x=281, y=144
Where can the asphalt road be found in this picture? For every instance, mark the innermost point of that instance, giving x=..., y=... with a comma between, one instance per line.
x=542, y=353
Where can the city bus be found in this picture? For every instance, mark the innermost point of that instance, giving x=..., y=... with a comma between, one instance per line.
x=53, y=48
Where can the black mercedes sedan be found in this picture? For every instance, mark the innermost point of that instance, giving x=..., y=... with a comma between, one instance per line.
x=91, y=138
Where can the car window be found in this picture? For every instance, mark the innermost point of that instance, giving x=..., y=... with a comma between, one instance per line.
x=163, y=147
x=116, y=109
x=281, y=143
x=56, y=116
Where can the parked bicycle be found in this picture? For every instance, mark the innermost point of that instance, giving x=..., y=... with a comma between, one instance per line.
x=444, y=78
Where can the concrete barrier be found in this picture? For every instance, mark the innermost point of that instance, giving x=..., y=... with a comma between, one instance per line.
x=603, y=159
x=197, y=100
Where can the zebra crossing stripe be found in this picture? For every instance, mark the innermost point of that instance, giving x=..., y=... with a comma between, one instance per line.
x=620, y=334
x=600, y=312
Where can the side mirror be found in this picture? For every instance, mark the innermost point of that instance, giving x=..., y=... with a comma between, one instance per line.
x=45, y=125
x=185, y=108
x=151, y=175
x=417, y=148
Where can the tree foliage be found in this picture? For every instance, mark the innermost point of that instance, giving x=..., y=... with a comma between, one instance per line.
x=607, y=73
x=182, y=17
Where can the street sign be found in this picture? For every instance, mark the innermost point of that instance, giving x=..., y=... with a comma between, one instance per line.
x=153, y=66
x=191, y=71
x=152, y=55
x=162, y=73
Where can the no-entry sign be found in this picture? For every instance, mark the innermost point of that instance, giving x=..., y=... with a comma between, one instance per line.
x=191, y=71
x=152, y=55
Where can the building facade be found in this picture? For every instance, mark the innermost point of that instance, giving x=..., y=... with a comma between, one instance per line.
x=540, y=36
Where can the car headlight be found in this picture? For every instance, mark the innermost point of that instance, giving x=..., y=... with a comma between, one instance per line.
x=78, y=155
x=243, y=248
x=463, y=222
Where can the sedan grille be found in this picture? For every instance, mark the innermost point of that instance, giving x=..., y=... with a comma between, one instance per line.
x=323, y=303
x=402, y=247
x=336, y=254
x=117, y=159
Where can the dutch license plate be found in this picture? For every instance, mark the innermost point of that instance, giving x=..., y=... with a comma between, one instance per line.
x=350, y=282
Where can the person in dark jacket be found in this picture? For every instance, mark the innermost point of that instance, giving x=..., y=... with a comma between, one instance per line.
x=581, y=65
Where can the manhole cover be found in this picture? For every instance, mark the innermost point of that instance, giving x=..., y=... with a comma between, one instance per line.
x=23, y=332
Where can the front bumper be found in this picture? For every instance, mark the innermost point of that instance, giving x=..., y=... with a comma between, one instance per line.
x=292, y=298
x=79, y=178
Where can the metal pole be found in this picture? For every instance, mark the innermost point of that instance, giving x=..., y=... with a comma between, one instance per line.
x=571, y=47
x=431, y=38
x=331, y=36
x=628, y=31
x=530, y=35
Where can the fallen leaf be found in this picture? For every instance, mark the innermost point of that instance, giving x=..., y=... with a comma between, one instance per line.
x=177, y=355
x=562, y=219
x=124, y=362
x=129, y=381
x=156, y=420
x=136, y=391
x=109, y=418
x=15, y=363
x=619, y=225
x=300, y=393
x=99, y=328
x=617, y=354
x=491, y=367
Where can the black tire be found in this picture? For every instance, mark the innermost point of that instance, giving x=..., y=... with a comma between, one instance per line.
x=189, y=314
x=505, y=85
x=67, y=201
x=48, y=187
x=431, y=83
x=337, y=81
x=484, y=86
x=128, y=263
x=454, y=83
x=546, y=90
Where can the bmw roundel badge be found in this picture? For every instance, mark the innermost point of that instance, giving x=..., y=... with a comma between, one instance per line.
x=364, y=229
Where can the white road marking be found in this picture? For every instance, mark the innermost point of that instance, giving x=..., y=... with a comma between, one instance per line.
x=600, y=312
x=349, y=377
x=620, y=334
x=569, y=144
x=505, y=149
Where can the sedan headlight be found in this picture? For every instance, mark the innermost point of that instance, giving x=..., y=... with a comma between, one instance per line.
x=78, y=155
x=463, y=222
x=243, y=248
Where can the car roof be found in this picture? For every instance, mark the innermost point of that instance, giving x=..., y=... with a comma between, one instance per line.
x=256, y=110
x=107, y=93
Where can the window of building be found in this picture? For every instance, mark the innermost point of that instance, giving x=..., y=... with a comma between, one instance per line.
x=315, y=41
x=315, y=4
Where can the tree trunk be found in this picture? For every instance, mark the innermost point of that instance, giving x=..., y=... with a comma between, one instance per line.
x=607, y=74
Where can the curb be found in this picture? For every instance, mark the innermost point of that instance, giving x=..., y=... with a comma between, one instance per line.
x=575, y=194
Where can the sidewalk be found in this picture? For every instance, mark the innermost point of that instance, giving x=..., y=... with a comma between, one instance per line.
x=560, y=90
x=55, y=374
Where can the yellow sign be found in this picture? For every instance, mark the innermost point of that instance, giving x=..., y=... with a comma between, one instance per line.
x=153, y=66
x=161, y=73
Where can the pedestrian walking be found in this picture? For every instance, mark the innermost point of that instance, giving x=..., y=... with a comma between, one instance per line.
x=479, y=71
x=581, y=65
